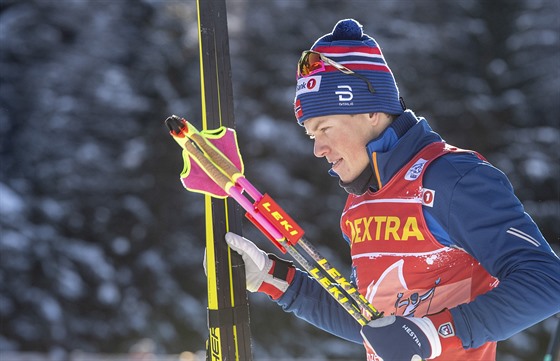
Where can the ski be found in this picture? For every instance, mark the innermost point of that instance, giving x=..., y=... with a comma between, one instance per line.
x=228, y=311
x=213, y=166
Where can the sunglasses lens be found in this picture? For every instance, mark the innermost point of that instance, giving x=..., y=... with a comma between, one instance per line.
x=310, y=63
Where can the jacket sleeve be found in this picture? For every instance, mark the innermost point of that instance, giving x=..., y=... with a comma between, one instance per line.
x=310, y=302
x=488, y=221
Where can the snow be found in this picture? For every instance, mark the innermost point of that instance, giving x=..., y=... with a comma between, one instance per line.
x=11, y=204
x=121, y=245
x=70, y=283
x=51, y=309
x=13, y=241
x=108, y=293
x=134, y=153
x=90, y=256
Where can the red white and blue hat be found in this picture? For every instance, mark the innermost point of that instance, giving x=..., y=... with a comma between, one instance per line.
x=333, y=92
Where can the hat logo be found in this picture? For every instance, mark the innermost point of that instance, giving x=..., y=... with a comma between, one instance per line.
x=344, y=95
x=308, y=84
x=311, y=84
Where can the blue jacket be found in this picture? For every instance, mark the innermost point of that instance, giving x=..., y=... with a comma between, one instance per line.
x=476, y=211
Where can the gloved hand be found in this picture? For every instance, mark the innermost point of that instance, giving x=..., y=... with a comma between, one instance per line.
x=264, y=272
x=411, y=338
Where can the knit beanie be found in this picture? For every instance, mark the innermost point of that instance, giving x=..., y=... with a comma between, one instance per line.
x=333, y=92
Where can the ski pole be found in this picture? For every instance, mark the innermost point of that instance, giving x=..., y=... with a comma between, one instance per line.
x=268, y=217
x=195, y=148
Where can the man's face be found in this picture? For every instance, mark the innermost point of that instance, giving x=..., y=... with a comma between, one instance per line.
x=341, y=139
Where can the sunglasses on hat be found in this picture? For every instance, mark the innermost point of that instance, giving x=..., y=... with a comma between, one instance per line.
x=312, y=62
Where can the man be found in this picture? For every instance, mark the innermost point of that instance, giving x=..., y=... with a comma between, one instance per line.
x=439, y=242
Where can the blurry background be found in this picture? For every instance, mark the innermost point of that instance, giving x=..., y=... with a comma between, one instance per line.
x=100, y=246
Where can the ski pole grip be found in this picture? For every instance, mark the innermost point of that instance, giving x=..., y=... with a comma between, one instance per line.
x=214, y=173
x=217, y=157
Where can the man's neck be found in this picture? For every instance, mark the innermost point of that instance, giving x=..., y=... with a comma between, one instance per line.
x=361, y=184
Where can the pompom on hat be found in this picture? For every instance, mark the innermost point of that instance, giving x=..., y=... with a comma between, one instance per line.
x=332, y=91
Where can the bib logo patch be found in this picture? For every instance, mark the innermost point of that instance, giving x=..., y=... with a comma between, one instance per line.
x=414, y=172
x=428, y=196
x=308, y=85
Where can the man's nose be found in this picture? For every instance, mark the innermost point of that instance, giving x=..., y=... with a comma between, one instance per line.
x=320, y=149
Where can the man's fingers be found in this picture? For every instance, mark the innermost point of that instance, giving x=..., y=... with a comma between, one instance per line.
x=247, y=249
x=235, y=241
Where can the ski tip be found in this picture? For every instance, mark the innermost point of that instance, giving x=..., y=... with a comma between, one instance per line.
x=175, y=124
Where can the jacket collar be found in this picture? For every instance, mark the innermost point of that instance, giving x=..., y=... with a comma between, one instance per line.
x=405, y=137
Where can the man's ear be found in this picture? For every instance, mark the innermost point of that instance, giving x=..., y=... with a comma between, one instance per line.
x=379, y=119
x=374, y=118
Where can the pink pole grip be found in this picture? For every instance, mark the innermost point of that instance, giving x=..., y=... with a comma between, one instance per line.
x=249, y=207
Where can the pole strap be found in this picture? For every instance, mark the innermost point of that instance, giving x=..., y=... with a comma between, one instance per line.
x=281, y=267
